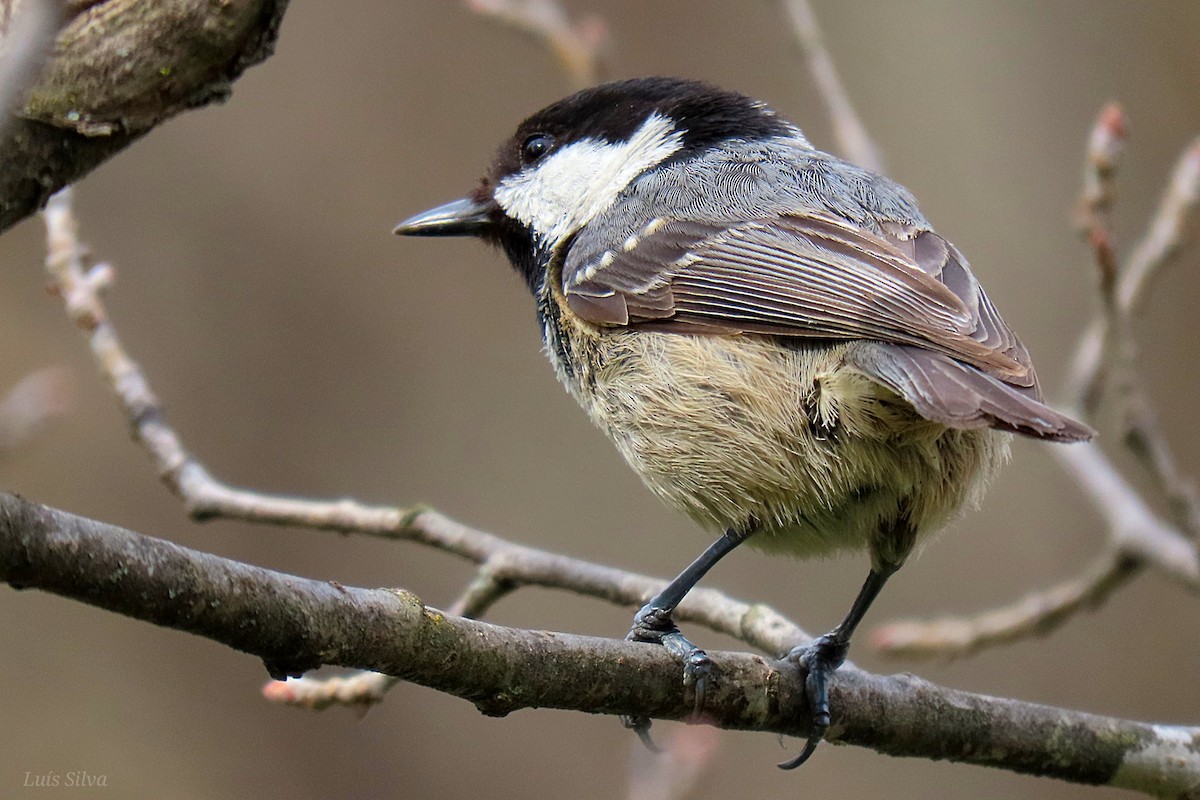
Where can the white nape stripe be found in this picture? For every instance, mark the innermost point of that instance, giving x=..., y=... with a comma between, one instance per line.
x=558, y=196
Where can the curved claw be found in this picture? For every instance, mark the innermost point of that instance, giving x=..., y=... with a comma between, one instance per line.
x=654, y=626
x=697, y=669
x=701, y=688
x=820, y=659
x=641, y=726
x=810, y=747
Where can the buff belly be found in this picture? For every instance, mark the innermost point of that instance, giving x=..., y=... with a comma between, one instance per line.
x=739, y=432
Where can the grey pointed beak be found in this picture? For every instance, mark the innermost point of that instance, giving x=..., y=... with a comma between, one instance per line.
x=465, y=217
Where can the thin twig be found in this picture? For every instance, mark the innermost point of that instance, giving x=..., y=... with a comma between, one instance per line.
x=1164, y=238
x=1168, y=231
x=578, y=45
x=359, y=690
x=851, y=135
x=1134, y=529
x=1106, y=356
x=1144, y=439
x=1035, y=615
x=1093, y=218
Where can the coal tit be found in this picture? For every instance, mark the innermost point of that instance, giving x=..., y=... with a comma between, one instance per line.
x=775, y=339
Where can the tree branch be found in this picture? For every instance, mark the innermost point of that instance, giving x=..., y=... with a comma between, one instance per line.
x=295, y=624
x=120, y=67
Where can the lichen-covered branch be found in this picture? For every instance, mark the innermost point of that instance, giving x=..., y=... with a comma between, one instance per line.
x=117, y=69
x=294, y=624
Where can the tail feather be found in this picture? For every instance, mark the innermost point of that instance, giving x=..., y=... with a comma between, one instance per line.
x=961, y=396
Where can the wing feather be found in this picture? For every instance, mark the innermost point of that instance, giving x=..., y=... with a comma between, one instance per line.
x=806, y=274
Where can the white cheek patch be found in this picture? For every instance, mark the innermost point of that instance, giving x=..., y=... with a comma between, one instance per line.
x=572, y=186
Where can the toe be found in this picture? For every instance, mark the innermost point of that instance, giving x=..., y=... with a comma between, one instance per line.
x=810, y=747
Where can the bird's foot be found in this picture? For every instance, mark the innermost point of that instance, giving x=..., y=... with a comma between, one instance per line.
x=655, y=626
x=819, y=660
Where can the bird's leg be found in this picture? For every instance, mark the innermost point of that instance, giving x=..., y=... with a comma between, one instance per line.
x=653, y=624
x=825, y=654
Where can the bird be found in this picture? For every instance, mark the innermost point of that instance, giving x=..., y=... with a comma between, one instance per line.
x=775, y=339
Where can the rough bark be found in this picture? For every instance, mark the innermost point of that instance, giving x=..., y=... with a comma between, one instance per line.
x=118, y=68
x=295, y=624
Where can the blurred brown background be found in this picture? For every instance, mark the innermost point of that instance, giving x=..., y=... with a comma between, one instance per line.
x=300, y=348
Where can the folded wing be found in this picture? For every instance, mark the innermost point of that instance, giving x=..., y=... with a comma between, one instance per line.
x=815, y=275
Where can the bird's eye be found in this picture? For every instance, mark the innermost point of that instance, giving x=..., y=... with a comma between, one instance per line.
x=535, y=147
